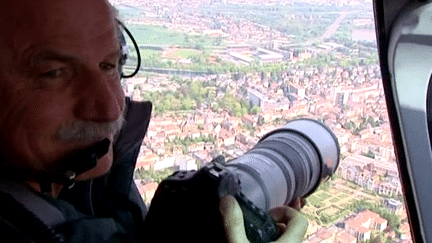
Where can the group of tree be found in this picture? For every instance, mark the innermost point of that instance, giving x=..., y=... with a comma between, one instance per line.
x=190, y=94
x=393, y=219
x=169, y=101
x=194, y=93
x=186, y=141
x=233, y=104
x=330, y=219
x=152, y=175
x=363, y=124
x=378, y=237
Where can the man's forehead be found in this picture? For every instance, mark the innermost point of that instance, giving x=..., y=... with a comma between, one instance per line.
x=45, y=14
x=54, y=21
x=55, y=55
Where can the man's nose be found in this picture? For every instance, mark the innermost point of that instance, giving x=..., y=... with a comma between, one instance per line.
x=101, y=98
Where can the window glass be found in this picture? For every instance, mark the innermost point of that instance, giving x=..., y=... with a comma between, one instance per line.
x=222, y=73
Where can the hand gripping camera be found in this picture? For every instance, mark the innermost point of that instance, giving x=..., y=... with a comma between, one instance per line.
x=287, y=163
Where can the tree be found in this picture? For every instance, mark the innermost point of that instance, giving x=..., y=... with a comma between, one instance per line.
x=201, y=126
x=260, y=121
x=369, y=154
x=218, y=40
x=334, y=177
x=325, y=219
x=170, y=63
x=152, y=175
x=263, y=75
x=238, y=110
x=255, y=110
x=349, y=125
x=325, y=186
x=187, y=104
x=378, y=237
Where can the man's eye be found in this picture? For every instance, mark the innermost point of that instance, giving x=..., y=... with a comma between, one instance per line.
x=52, y=74
x=107, y=66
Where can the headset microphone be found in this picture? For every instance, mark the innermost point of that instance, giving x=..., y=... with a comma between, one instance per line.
x=81, y=162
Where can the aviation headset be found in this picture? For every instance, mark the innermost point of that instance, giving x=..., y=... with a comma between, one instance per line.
x=124, y=50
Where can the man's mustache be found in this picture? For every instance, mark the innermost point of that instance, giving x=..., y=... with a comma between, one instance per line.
x=86, y=130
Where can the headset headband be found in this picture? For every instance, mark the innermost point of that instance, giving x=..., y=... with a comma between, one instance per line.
x=125, y=51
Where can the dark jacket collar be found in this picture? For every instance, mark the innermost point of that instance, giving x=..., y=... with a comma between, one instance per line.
x=137, y=119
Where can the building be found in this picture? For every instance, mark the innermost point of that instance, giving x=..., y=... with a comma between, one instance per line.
x=147, y=191
x=371, y=174
x=267, y=56
x=343, y=237
x=298, y=90
x=186, y=163
x=393, y=205
x=405, y=232
x=255, y=98
x=362, y=225
x=244, y=59
x=340, y=96
x=322, y=236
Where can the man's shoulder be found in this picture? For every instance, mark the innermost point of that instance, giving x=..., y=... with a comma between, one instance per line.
x=26, y=216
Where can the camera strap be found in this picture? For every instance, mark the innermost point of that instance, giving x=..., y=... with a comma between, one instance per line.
x=32, y=202
x=27, y=212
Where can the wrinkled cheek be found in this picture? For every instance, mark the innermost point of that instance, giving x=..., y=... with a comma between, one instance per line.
x=12, y=111
x=44, y=115
x=11, y=126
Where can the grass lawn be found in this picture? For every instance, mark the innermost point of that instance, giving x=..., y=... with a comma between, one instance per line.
x=329, y=206
x=147, y=34
x=330, y=210
x=322, y=195
x=158, y=35
x=344, y=205
x=333, y=191
x=315, y=201
x=146, y=53
x=343, y=196
x=186, y=53
x=331, y=214
x=335, y=199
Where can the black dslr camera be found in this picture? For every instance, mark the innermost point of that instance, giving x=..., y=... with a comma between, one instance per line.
x=287, y=163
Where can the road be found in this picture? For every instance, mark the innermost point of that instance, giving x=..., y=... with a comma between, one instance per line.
x=330, y=30
x=333, y=27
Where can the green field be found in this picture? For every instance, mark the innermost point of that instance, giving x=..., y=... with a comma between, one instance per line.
x=156, y=35
x=326, y=206
x=186, y=53
x=322, y=195
x=330, y=210
x=315, y=201
x=146, y=53
x=335, y=199
x=127, y=11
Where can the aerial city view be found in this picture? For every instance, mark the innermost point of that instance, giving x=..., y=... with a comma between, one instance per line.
x=222, y=73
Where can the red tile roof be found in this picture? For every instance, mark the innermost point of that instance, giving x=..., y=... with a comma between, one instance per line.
x=344, y=237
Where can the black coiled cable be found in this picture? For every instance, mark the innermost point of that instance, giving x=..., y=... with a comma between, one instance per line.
x=25, y=221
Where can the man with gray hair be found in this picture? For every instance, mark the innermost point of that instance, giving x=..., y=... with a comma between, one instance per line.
x=65, y=167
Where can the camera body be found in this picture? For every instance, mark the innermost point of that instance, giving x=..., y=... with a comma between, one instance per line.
x=193, y=198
